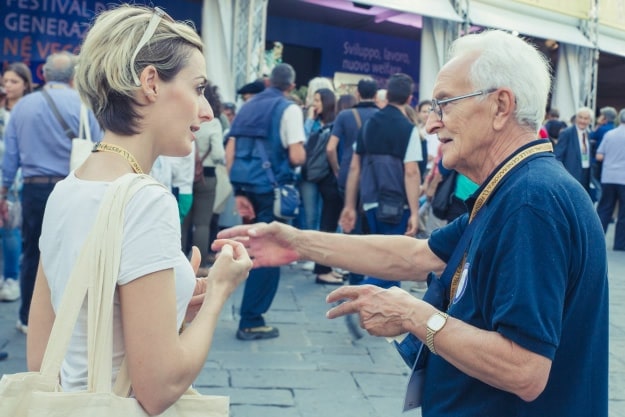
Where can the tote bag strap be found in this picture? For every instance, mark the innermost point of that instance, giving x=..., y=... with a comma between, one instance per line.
x=84, y=131
x=103, y=245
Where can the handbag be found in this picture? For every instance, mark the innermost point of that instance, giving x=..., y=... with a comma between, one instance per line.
x=286, y=200
x=14, y=212
x=441, y=201
x=82, y=145
x=390, y=207
x=39, y=394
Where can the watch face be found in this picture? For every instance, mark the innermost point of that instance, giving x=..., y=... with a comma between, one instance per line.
x=436, y=322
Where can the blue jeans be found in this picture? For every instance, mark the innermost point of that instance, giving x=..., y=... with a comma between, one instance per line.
x=12, y=245
x=311, y=206
x=611, y=195
x=11, y=252
x=34, y=198
x=262, y=284
x=381, y=228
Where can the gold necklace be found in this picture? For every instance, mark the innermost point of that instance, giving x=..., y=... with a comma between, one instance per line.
x=107, y=147
x=485, y=194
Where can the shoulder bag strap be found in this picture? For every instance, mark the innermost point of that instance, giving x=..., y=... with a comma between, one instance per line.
x=357, y=117
x=84, y=131
x=66, y=129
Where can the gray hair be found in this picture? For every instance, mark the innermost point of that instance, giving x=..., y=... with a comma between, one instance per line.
x=59, y=67
x=621, y=116
x=586, y=110
x=282, y=76
x=609, y=113
x=504, y=60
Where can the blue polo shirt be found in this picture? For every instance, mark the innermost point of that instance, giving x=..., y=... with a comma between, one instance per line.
x=537, y=274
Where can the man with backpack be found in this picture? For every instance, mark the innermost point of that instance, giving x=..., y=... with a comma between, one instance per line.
x=267, y=135
x=385, y=169
x=340, y=147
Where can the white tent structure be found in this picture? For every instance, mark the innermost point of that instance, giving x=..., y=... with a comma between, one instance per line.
x=234, y=32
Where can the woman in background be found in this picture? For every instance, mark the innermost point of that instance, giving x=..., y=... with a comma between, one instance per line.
x=324, y=103
x=17, y=82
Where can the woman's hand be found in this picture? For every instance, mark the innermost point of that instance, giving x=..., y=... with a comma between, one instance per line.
x=231, y=268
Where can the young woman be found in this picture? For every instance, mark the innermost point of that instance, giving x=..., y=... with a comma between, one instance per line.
x=17, y=81
x=324, y=102
x=147, y=94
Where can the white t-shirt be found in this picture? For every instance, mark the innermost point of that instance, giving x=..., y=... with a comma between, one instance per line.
x=151, y=243
x=292, y=126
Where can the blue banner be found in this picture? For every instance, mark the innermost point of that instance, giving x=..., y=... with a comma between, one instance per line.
x=346, y=50
x=33, y=29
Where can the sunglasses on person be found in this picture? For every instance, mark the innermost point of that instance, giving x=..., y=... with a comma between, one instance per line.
x=147, y=35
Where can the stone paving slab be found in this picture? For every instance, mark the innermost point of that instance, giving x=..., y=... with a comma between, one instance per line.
x=316, y=368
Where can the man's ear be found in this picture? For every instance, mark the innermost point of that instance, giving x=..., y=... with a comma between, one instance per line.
x=505, y=101
x=149, y=82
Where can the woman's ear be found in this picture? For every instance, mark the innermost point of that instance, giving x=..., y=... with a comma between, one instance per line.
x=149, y=82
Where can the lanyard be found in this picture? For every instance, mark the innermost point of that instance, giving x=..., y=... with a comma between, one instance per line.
x=485, y=194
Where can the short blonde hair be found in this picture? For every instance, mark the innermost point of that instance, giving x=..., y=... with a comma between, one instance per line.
x=104, y=77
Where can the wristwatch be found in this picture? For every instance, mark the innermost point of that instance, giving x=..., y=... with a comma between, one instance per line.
x=434, y=324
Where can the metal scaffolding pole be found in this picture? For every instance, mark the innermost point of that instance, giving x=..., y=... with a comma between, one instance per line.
x=590, y=27
x=250, y=17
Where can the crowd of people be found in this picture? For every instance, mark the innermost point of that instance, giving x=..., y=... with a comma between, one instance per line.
x=401, y=184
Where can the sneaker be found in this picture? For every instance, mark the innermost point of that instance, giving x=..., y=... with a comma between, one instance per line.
x=10, y=290
x=258, y=333
x=21, y=327
x=307, y=266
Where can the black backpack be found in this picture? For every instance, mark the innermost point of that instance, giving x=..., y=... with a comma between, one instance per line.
x=317, y=166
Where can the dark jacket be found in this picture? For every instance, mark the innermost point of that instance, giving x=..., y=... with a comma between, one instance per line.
x=259, y=121
x=382, y=147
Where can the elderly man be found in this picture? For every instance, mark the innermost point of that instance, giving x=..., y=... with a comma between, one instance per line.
x=525, y=328
x=574, y=149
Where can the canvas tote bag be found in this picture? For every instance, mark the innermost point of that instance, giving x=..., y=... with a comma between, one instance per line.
x=82, y=145
x=39, y=394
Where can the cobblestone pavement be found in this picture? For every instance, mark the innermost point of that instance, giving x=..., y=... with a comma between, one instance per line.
x=315, y=368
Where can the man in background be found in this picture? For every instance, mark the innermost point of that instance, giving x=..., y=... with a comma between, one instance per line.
x=36, y=141
x=573, y=148
x=276, y=123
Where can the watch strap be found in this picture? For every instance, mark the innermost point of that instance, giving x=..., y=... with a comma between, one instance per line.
x=429, y=337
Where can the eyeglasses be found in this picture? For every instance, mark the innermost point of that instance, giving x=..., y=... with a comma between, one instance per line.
x=147, y=35
x=437, y=105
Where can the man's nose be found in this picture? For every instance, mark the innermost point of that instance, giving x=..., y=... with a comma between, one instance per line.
x=432, y=122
